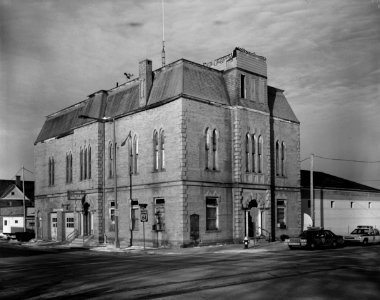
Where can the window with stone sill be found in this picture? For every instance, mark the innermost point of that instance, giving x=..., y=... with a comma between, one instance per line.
x=69, y=167
x=260, y=154
x=51, y=171
x=243, y=89
x=110, y=160
x=135, y=219
x=112, y=216
x=159, y=214
x=212, y=221
x=281, y=214
x=155, y=151
x=253, y=151
x=211, y=150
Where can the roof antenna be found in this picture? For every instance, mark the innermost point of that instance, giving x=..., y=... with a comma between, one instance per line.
x=163, y=34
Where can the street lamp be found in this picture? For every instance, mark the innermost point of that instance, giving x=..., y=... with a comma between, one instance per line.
x=110, y=120
x=130, y=145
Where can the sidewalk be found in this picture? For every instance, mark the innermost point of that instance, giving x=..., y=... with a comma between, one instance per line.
x=222, y=248
x=225, y=248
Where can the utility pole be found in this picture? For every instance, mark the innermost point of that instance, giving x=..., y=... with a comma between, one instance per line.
x=117, y=243
x=23, y=193
x=130, y=193
x=312, y=202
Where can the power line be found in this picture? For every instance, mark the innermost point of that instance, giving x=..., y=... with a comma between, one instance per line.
x=28, y=170
x=349, y=160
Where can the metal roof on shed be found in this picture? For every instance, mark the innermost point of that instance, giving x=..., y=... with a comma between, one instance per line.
x=327, y=181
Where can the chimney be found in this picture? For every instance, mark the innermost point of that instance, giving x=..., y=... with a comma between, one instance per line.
x=145, y=81
x=18, y=180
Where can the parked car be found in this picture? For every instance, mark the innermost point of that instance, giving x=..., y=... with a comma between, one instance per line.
x=363, y=235
x=315, y=237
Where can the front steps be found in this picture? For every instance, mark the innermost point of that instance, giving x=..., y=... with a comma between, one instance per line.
x=82, y=242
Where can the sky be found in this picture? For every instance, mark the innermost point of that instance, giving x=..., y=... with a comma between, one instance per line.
x=323, y=53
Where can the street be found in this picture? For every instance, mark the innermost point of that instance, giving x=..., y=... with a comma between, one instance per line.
x=346, y=273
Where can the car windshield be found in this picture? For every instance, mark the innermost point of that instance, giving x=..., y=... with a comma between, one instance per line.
x=360, y=231
x=307, y=233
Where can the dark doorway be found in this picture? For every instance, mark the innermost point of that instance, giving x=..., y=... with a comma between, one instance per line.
x=194, y=228
x=86, y=219
x=252, y=218
x=251, y=226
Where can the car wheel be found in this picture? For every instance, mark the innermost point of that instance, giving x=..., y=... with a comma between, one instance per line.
x=313, y=245
x=291, y=247
x=365, y=242
x=335, y=244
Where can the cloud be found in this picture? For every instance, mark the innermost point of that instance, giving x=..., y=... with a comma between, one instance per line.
x=323, y=53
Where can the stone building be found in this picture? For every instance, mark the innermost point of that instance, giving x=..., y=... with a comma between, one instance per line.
x=210, y=149
x=340, y=204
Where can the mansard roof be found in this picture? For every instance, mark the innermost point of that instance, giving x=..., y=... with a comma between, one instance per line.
x=279, y=106
x=188, y=79
x=327, y=181
x=181, y=78
x=65, y=121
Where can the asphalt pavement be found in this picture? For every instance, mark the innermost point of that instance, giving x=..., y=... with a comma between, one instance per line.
x=264, y=271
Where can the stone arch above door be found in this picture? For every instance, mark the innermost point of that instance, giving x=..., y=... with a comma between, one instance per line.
x=255, y=199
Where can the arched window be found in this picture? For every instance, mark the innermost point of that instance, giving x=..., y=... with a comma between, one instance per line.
x=85, y=164
x=110, y=162
x=260, y=154
x=162, y=149
x=67, y=168
x=215, y=150
x=70, y=167
x=207, y=148
x=89, y=163
x=49, y=168
x=69, y=162
x=135, y=153
x=155, y=151
x=254, y=146
x=277, y=158
x=283, y=153
x=81, y=164
x=247, y=152
x=52, y=170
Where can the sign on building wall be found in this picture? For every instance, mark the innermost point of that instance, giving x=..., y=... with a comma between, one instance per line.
x=75, y=195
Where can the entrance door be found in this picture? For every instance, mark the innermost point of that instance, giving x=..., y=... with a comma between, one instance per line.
x=194, y=227
x=69, y=224
x=53, y=226
x=86, y=224
x=251, y=226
